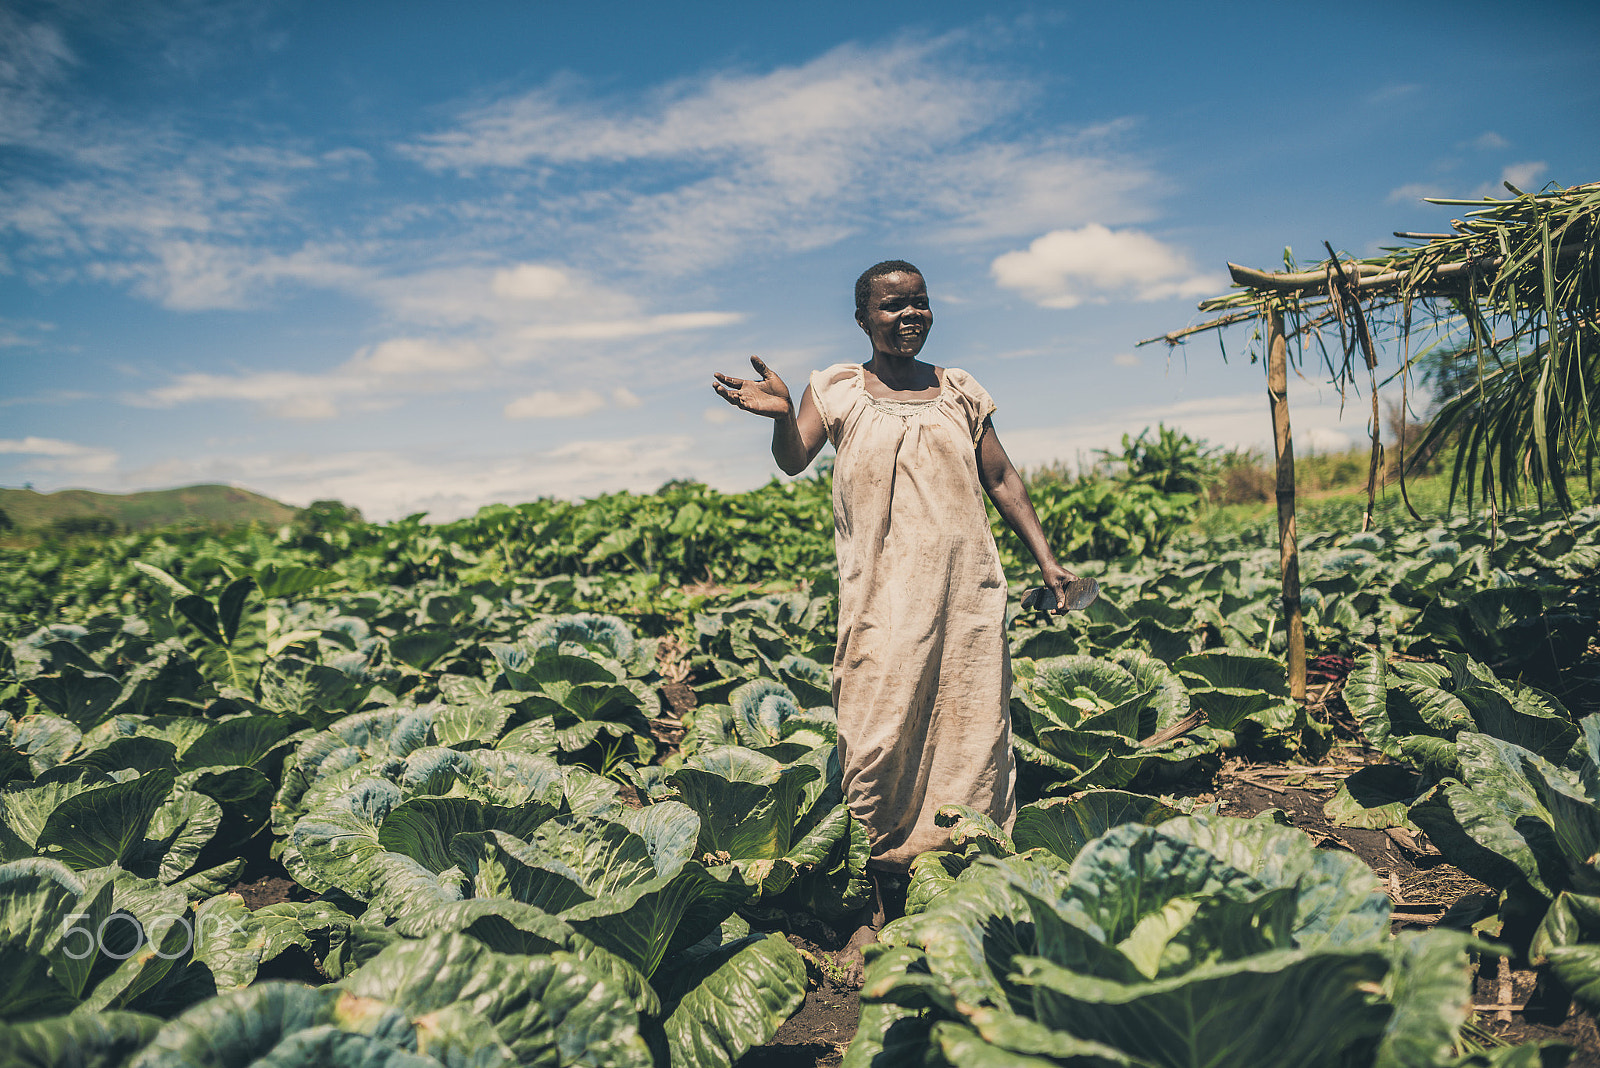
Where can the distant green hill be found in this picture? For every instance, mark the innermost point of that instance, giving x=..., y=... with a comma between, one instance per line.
x=78, y=509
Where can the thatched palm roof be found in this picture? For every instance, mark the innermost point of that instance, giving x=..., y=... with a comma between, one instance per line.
x=1515, y=288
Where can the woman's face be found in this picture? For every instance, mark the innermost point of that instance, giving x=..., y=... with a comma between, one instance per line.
x=897, y=317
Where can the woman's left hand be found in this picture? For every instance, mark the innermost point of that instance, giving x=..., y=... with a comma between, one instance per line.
x=1056, y=579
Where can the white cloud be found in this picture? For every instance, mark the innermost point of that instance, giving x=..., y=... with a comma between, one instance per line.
x=794, y=157
x=551, y=404
x=52, y=396
x=23, y=333
x=1524, y=176
x=35, y=446
x=33, y=58
x=55, y=455
x=1415, y=191
x=508, y=328
x=412, y=355
x=1489, y=141
x=305, y=407
x=374, y=375
x=533, y=281
x=285, y=394
x=1234, y=421
x=1065, y=268
x=1320, y=439
x=783, y=115
x=1126, y=359
x=387, y=484
x=1010, y=188
x=673, y=178
x=613, y=329
x=623, y=397
x=195, y=275
x=717, y=416
x=31, y=54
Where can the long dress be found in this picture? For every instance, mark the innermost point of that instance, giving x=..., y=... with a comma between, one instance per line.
x=922, y=673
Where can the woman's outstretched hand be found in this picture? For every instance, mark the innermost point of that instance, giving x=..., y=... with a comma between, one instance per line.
x=766, y=395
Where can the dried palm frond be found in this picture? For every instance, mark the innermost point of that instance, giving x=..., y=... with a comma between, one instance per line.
x=1515, y=287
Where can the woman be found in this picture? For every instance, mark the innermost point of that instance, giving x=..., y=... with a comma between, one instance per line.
x=922, y=673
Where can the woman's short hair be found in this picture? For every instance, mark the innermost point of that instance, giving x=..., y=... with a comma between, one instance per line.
x=878, y=270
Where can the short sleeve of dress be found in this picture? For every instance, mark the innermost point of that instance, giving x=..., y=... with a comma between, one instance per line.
x=971, y=399
x=831, y=393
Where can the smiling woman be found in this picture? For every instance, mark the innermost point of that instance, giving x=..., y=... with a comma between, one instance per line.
x=922, y=674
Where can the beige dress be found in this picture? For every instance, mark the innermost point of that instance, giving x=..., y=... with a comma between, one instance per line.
x=922, y=674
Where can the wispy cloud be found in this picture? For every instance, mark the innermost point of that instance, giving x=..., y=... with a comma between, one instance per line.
x=33, y=59
x=1066, y=268
x=410, y=366
x=412, y=356
x=531, y=190
x=554, y=404
x=613, y=329
x=551, y=404
x=399, y=366
x=1233, y=421
x=796, y=157
x=386, y=484
x=23, y=333
x=777, y=119
x=1524, y=176
x=55, y=455
x=1413, y=191
x=199, y=275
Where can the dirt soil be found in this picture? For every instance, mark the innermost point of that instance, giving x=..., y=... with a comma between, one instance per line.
x=269, y=890
x=264, y=881
x=814, y=1037
x=1421, y=885
x=821, y=1029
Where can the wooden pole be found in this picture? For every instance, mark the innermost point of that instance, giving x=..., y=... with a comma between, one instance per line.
x=1283, y=450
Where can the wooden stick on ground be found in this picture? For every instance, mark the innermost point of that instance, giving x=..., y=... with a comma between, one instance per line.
x=1261, y=784
x=1504, y=1000
x=1176, y=730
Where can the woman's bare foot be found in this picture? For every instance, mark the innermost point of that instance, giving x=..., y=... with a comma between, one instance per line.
x=852, y=960
x=888, y=903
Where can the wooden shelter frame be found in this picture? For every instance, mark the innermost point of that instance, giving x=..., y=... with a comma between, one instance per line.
x=1533, y=260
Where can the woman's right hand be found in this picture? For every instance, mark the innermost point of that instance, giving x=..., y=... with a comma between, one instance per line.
x=766, y=395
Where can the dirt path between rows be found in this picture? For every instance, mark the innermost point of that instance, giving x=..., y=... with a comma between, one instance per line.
x=1421, y=885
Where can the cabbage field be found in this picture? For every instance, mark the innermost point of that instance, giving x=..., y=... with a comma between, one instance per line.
x=556, y=785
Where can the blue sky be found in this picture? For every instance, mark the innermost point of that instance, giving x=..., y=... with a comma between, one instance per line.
x=425, y=256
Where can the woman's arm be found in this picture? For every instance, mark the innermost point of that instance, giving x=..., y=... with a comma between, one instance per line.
x=1004, y=487
x=796, y=437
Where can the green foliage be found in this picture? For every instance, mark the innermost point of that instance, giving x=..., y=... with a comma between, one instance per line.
x=1530, y=827
x=1079, y=720
x=1195, y=941
x=1171, y=462
x=453, y=735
